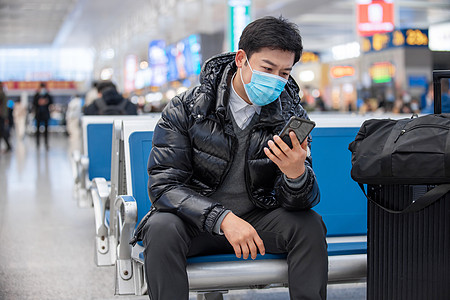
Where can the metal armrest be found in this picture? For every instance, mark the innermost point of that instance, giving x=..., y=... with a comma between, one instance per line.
x=82, y=183
x=100, y=193
x=125, y=212
x=84, y=167
x=76, y=163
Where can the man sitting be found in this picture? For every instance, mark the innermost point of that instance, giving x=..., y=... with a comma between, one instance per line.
x=221, y=180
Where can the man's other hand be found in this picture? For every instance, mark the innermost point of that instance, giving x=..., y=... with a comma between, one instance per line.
x=242, y=236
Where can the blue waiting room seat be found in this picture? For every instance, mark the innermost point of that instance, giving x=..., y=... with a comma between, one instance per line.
x=93, y=175
x=94, y=161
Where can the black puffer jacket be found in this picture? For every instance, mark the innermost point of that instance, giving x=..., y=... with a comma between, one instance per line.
x=193, y=147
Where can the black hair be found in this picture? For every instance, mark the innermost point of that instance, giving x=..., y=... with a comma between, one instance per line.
x=105, y=84
x=43, y=85
x=273, y=33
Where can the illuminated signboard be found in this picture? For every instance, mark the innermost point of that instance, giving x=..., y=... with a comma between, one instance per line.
x=184, y=58
x=342, y=71
x=397, y=38
x=143, y=78
x=308, y=57
x=382, y=72
x=374, y=16
x=131, y=67
x=157, y=62
x=439, y=37
x=34, y=85
x=239, y=18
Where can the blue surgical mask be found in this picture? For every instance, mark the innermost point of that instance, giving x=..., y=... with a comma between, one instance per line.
x=264, y=88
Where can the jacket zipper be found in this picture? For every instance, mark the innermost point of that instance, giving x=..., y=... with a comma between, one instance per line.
x=233, y=153
x=403, y=131
x=260, y=125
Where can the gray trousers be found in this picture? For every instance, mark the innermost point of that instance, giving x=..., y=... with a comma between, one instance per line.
x=168, y=241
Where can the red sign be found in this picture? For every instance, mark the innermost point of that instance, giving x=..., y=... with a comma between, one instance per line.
x=342, y=71
x=374, y=16
x=34, y=85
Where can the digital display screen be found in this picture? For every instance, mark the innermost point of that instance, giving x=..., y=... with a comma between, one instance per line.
x=397, y=38
x=184, y=58
x=157, y=63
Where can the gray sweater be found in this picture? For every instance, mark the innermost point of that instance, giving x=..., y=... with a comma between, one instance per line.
x=233, y=193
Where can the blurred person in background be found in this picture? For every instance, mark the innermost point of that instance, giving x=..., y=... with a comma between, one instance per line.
x=445, y=96
x=73, y=116
x=11, y=106
x=414, y=106
x=92, y=94
x=427, y=100
x=320, y=104
x=4, y=119
x=20, y=116
x=41, y=106
x=110, y=102
x=370, y=105
x=398, y=106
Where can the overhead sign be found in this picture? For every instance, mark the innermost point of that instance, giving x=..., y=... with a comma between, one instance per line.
x=239, y=18
x=374, y=16
x=397, y=38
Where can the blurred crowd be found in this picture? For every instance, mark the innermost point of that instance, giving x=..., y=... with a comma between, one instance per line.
x=384, y=102
x=103, y=98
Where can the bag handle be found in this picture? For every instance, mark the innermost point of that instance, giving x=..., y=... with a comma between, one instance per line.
x=428, y=198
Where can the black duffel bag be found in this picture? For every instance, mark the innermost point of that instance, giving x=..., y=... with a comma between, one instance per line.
x=412, y=151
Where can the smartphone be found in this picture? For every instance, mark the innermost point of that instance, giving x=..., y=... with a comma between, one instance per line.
x=301, y=127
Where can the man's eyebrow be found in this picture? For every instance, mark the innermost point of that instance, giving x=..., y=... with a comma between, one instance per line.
x=274, y=65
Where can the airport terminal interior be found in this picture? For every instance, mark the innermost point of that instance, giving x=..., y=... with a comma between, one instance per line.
x=362, y=59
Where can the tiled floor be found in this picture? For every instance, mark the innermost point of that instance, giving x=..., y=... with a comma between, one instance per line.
x=47, y=241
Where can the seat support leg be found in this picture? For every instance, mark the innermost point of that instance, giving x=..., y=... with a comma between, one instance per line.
x=216, y=295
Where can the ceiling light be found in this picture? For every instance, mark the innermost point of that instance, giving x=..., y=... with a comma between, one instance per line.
x=143, y=65
x=306, y=76
x=106, y=74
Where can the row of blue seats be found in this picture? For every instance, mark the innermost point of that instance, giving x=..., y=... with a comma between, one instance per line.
x=113, y=177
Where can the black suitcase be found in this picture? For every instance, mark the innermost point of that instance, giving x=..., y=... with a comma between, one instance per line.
x=408, y=255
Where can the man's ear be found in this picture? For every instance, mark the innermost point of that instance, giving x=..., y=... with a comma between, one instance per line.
x=240, y=58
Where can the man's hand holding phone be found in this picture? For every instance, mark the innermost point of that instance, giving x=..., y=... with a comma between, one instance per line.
x=291, y=161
